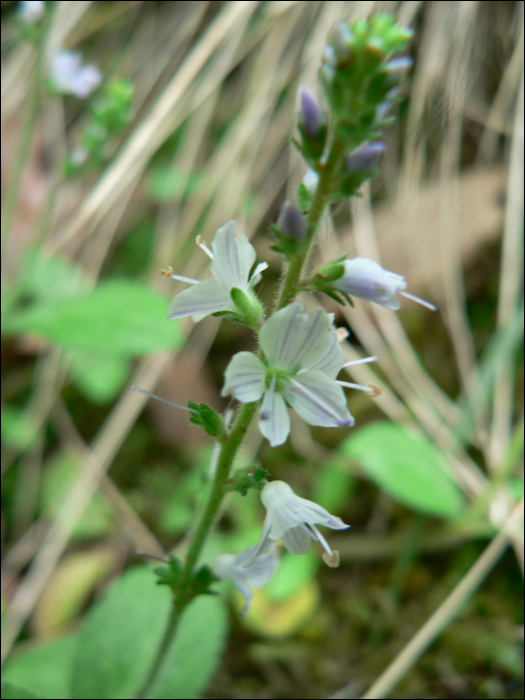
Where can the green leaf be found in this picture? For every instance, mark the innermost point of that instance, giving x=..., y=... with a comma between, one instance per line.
x=408, y=467
x=48, y=278
x=13, y=692
x=195, y=653
x=18, y=429
x=119, y=318
x=99, y=378
x=119, y=637
x=44, y=669
x=304, y=198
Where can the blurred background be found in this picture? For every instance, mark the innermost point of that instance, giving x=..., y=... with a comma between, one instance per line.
x=434, y=466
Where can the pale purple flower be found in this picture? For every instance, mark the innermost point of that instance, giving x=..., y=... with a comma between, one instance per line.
x=368, y=280
x=302, y=361
x=244, y=575
x=232, y=259
x=293, y=520
x=69, y=76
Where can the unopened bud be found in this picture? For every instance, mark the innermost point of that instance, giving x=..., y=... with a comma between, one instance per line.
x=291, y=223
x=397, y=67
x=341, y=40
x=310, y=118
x=366, y=158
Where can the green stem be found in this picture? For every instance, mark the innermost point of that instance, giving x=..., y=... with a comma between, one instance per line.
x=13, y=186
x=222, y=472
x=292, y=279
x=242, y=423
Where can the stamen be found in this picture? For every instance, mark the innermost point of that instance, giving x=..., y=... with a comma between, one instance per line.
x=419, y=301
x=333, y=561
x=184, y=279
x=360, y=387
x=362, y=361
x=140, y=553
x=167, y=271
x=342, y=334
x=319, y=402
x=202, y=245
x=322, y=540
x=308, y=531
x=159, y=398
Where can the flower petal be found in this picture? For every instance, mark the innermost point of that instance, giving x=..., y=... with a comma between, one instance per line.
x=274, y=419
x=200, y=300
x=233, y=257
x=318, y=400
x=333, y=359
x=244, y=378
x=293, y=339
x=368, y=280
x=297, y=540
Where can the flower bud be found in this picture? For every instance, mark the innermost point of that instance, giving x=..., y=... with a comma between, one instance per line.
x=310, y=117
x=366, y=158
x=291, y=223
x=397, y=67
x=341, y=40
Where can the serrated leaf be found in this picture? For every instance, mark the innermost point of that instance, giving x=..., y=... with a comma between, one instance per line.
x=408, y=467
x=118, y=318
x=120, y=636
x=44, y=669
x=195, y=653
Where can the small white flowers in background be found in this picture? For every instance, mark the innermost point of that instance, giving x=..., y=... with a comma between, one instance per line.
x=69, y=76
x=244, y=575
x=368, y=280
x=232, y=260
x=302, y=361
x=293, y=520
x=31, y=11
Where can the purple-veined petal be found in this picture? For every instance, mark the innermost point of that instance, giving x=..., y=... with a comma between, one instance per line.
x=244, y=378
x=200, y=300
x=292, y=339
x=318, y=400
x=333, y=359
x=233, y=257
x=368, y=280
x=274, y=419
x=297, y=540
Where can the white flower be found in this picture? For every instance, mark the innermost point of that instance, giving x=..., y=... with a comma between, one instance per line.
x=244, y=575
x=368, y=280
x=31, y=11
x=302, y=361
x=292, y=519
x=233, y=258
x=69, y=76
